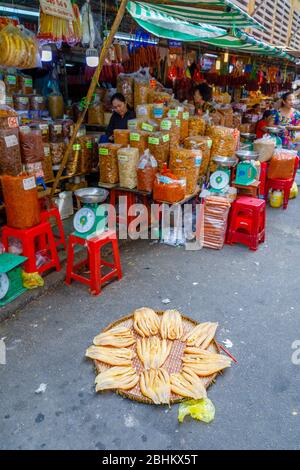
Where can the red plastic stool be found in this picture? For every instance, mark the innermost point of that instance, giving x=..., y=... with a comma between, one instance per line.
x=28, y=238
x=46, y=216
x=247, y=222
x=284, y=185
x=94, y=261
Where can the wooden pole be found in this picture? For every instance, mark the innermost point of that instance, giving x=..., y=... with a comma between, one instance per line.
x=93, y=85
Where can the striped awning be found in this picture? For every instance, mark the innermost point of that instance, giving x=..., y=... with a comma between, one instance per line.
x=165, y=26
x=222, y=13
x=243, y=42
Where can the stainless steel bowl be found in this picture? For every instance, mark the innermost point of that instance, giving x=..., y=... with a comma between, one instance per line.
x=273, y=130
x=91, y=195
x=248, y=136
x=226, y=162
x=244, y=155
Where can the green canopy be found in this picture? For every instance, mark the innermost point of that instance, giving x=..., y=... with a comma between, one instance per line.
x=222, y=13
x=166, y=26
x=243, y=42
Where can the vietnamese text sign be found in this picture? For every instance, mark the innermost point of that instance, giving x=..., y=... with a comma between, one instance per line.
x=61, y=8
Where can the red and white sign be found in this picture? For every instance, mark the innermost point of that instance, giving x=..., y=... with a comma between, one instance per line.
x=61, y=8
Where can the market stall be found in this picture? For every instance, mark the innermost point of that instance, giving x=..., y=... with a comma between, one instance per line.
x=174, y=150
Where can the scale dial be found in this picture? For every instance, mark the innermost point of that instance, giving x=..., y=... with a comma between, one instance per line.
x=4, y=285
x=219, y=180
x=84, y=220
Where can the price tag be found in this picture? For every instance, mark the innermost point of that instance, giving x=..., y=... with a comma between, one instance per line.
x=58, y=128
x=103, y=151
x=178, y=122
x=173, y=113
x=158, y=113
x=147, y=127
x=123, y=158
x=166, y=125
x=166, y=138
x=76, y=147
x=153, y=141
x=39, y=99
x=135, y=137
x=198, y=161
x=24, y=100
x=29, y=183
x=25, y=129
x=89, y=145
x=11, y=141
x=46, y=151
x=28, y=82
x=186, y=116
x=11, y=79
x=209, y=143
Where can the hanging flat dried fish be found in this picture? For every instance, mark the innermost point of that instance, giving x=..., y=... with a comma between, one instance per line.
x=124, y=378
x=202, y=335
x=171, y=325
x=146, y=322
x=187, y=384
x=155, y=384
x=111, y=356
x=119, y=337
x=153, y=352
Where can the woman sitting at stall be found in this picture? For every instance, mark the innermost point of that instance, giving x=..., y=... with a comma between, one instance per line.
x=266, y=121
x=289, y=118
x=121, y=115
x=203, y=99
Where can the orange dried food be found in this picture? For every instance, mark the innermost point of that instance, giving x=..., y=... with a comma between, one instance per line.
x=108, y=163
x=121, y=137
x=159, y=146
x=172, y=126
x=282, y=164
x=146, y=172
x=32, y=148
x=184, y=117
x=191, y=175
x=185, y=158
x=139, y=140
x=216, y=211
x=87, y=143
x=197, y=125
x=21, y=201
x=168, y=188
x=204, y=145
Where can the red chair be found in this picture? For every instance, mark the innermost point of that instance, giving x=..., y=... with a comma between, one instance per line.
x=46, y=215
x=28, y=238
x=247, y=222
x=94, y=261
x=284, y=185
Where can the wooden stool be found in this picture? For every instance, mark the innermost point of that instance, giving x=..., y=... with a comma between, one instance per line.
x=28, y=237
x=252, y=190
x=94, y=261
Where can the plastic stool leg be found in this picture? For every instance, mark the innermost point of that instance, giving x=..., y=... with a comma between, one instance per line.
x=286, y=191
x=29, y=252
x=62, y=238
x=117, y=261
x=95, y=269
x=53, y=250
x=70, y=260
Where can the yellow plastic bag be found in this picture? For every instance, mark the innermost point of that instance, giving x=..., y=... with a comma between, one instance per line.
x=32, y=280
x=294, y=191
x=202, y=410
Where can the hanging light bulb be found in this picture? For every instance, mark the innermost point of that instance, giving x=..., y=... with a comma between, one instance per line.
x=226, y=57
x=46, y=54
x=218, y=65
x=92, y=57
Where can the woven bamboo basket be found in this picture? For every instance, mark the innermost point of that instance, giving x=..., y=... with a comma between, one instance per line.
x=172, y=365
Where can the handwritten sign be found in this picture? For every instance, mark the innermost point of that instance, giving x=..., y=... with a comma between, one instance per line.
x=61, y=8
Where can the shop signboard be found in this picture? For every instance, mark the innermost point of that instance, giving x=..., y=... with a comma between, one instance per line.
x=61, y=8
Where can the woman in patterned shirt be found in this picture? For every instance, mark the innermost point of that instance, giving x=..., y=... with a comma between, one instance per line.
x=288, y=117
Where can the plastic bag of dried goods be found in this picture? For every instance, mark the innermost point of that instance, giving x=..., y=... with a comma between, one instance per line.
x=146, y=172
x=282, y=164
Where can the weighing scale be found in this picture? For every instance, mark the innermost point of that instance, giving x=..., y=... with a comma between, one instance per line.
x=248, y=140
x=89, y=221
x=246, y=171
x=11, y=285
x=220, y=179
x=274, y=132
